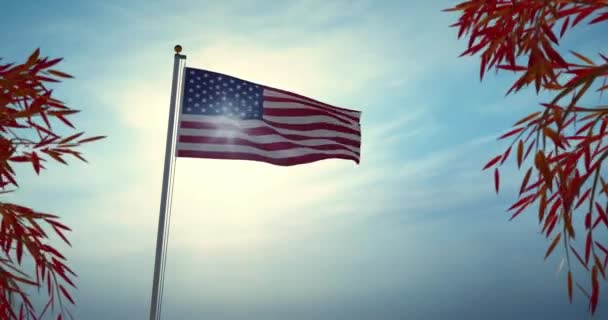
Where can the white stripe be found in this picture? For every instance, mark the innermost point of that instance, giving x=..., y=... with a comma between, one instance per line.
x=258, y=139
x=311, y=120
x=249, y=124
x=271, y=93
x=295, y=152
x=298, y=105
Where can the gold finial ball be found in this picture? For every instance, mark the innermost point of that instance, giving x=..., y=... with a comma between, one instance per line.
x=178, y=48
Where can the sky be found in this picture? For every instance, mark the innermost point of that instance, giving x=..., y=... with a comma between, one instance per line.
x=415, y=231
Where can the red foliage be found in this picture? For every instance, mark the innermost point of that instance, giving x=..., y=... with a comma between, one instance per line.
x=27, y=109
x=521, y=36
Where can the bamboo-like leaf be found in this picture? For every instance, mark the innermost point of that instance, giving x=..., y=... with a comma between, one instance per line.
x=70, y=138
x=601, y=213
x=577, y=255
x=36, y=162
x=570, y=286
x=59, y=74
x=527, y=118
x=520, y=151
x=542, y=206
x=600, y=18
x=505, y=155
x=33, y=57
x=66, y=294
x=583, y=58
x=595, y=290
x=552, y=135
x=496, y=179
x=552, y=246
x=564, y=27
x=492, y=162
x=525, y=181
x=92, y=139
x=510, y=133
x=588, y=247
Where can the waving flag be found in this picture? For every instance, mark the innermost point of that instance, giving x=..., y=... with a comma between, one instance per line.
x=223, y=117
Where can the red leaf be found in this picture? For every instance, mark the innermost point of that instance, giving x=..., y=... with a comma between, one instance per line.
x=563, y=30
x=524, y=183
x=59, y=74
x=547, y=30
x=527, y=118
x=70, y=138
x=59, y=233
x=19, y=251
x=31, y=60
x=595, y=290
x=600, y=18
x=492, y=162
x=19, y=159
x=91, y=139
x=520, y=151
x=587, y=247
x=36, y=162
x=64, y=120
x=552, y=246
x=521, y=201
x=582, y=15
x=579, y=257
x=496, y=179
x=505, y=155
x=66, y=294
x=570, y=286
x=511, y=67
x=602, y=213
x=510, y=133
x=582, y=199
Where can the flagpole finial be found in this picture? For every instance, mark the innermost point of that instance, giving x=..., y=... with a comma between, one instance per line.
x=178, y=49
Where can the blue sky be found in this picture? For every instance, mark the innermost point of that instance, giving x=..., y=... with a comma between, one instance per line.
x=414, y=232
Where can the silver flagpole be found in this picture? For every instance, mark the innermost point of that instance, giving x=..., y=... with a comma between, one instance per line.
x=163, y=200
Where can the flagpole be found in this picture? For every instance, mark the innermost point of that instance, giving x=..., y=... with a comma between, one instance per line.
x=165, y=186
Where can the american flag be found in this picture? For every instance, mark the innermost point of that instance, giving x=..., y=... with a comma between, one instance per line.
x=223, y=117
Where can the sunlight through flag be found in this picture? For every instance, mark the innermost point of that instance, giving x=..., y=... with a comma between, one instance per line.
x=223, y=117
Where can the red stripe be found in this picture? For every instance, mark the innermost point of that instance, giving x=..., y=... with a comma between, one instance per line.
x=325, y=105
x=313, y=126
x=289, y=112
x=261, y=131
x=273, y=146
x=253, y=157
x=321, y=109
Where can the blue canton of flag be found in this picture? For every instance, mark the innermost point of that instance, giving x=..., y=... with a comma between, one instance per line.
x=213, y=94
